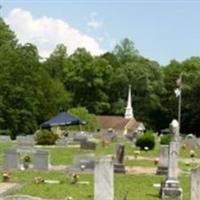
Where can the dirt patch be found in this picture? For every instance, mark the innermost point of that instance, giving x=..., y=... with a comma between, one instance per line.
x=140, y=170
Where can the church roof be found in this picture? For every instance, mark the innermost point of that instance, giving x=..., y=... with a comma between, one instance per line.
x=117, y=122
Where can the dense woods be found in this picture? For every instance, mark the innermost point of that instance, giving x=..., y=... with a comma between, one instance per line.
x=33, y=90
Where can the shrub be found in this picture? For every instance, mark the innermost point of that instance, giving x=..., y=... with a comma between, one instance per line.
x=46, y=137
x=165, y=139
x=147, y=140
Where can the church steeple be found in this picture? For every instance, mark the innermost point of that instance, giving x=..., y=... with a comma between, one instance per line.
x=129, y=109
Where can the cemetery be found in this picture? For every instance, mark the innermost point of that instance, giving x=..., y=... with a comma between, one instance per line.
x=79, y=121
x=109, y=166
x=139, y=181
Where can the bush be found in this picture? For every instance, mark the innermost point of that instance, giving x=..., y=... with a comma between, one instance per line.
x=146, y=140
x=165, y=139
x=45, y=137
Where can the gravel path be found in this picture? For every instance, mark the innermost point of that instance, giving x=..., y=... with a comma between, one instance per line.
x=6, y=186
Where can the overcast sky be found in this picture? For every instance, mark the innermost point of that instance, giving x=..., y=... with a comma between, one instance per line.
x=161, y=30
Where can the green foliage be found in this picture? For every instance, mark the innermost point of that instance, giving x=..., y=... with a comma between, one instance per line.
x=32, y=91
x=45, y=137
x=165, y=139
x=83, y=114
x=146, y=140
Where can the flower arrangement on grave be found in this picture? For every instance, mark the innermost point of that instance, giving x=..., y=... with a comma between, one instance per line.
x=26, y=161
x=38, y=180
x=68, y=198
x=156, y=160
x=6, y=175
x=74, y=178
x=192, y=153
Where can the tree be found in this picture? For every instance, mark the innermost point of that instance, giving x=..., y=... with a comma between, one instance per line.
x=87, y=78
x=6, y=35
x=126, y=51
x=84, y=115
x=57, y=62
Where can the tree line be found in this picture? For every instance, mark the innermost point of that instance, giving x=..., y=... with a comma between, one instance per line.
x=33, y=90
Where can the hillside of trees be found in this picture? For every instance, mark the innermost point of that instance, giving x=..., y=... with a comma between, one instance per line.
x=33, y=90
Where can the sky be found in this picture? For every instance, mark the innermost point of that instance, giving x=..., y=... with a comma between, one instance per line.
x=161, y=30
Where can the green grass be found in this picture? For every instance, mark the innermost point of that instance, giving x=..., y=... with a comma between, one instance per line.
x=65, y=155
x=139, y=163
x=55, y=191
x=138, y=187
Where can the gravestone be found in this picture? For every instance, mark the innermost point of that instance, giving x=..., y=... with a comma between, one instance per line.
x=61, y=141
x=103, y=189
x=191, y=141
x=5, y=139
x=80, y=137
x=26, y=143
x=195, y=184
x=84, y=162
x=175, y=130
x=119, y=165
x=110, y=135
x=10, y=160
x=41, y=160
x=163, y=160
x=170, y=188
x=88, y=145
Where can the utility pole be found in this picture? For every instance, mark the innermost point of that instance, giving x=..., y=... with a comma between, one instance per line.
x=179, y=84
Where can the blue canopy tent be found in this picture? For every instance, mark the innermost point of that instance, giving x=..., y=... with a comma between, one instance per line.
x=62, y=119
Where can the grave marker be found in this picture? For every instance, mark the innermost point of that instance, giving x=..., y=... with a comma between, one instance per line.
x=41, y=160
x=163, y=160
x=195, y=184
x=103, y=189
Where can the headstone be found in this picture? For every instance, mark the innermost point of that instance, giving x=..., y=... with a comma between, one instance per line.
x=174, y=128
x=88, y=145
x=195, y=184
x=4, y=139
x=80, y=137
x=110, y=135
x=163, y=160
x=170, y=188
x=119, y=165
x=84, y=162
x=10, y=159
x=26, y=143
x=41, y=160
x=61, y=141
x=103, y=189
x=191, y=141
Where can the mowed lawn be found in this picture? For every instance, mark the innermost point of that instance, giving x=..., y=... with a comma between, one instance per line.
x=138, y=187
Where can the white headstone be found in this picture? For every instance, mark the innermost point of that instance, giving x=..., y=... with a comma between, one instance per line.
x=173, y=160
x=174, y=127
x=195, y=184
x=104, y=179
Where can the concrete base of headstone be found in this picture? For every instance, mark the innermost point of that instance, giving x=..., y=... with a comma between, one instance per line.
x=171, y=189
x=119, y=168
x=161, y=170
